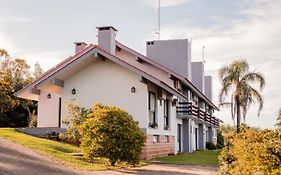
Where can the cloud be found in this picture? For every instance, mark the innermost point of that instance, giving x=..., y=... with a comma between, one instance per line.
x=255, y=37
x=165, y=3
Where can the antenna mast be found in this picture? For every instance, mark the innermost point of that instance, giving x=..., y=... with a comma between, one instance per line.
x=158, y=20
x=203, y=55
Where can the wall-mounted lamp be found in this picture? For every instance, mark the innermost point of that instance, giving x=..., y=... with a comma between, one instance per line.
x=49, y=96
x=133, y=89
x=73, y=91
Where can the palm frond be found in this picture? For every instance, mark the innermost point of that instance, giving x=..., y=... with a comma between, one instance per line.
x=255, y=77
x=258, y=97
x=223, y=71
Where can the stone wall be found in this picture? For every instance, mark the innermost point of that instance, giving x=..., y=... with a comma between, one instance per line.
x=160, y=149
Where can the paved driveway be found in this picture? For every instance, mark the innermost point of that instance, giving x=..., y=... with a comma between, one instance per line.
x=16, y=159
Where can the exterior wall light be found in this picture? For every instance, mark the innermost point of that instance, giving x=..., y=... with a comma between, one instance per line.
x=133, y=89
x=49, y=96
x=73, y=91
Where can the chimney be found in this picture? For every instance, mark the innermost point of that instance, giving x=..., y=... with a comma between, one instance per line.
x=79, y=46
x=208, y=86
x=173, y=54
x=106, y=38
x=197, y=72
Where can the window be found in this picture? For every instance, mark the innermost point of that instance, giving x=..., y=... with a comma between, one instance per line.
x=166, y=114
x=152, y=109
x=156, y=139
x=167, y=139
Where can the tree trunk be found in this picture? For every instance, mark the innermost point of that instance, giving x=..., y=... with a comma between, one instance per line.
x=238, y=115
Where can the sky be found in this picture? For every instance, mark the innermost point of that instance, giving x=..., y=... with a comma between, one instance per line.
x=44, y=31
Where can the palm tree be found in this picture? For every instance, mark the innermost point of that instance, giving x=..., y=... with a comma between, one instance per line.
x=237, y=79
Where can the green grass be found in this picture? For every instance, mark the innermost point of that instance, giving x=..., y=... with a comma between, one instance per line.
x=205, y=158
x=57, y=150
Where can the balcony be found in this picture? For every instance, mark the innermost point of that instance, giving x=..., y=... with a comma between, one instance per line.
x=186, y=109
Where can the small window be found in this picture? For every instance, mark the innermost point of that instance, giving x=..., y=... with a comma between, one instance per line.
x=166, y=115
x=167, y=139
x=156, y=139
x=152, y=109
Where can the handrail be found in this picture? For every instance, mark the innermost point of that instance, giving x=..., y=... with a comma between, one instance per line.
x=187, y=108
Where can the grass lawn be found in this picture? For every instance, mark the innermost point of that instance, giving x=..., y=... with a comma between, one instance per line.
x=57, y=150
x=205, y=158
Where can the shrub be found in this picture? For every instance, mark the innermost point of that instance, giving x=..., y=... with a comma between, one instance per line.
x=251, y=152
x=32, y=120
x=75, y=117
x=220, y=139
x=112, y=133
x=210, y=146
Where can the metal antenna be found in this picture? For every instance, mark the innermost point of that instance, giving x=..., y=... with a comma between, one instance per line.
x=158, y=21
x=203, y=56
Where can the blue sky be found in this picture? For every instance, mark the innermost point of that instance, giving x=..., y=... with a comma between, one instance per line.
x=44, y=31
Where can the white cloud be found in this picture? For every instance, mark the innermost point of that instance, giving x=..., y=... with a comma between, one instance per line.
x=165, y=3
x=256, y=38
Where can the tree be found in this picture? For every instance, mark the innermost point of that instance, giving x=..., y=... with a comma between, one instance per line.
x=112, y=133
x=14, y=75
x=38, y=71
x=237, y=79
x=3, y=53
x=278, y=122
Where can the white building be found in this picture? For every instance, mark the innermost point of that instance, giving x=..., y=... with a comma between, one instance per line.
x=155, y=89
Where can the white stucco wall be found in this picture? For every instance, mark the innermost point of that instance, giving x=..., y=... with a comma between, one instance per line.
x=110, y=84
x=48, y=110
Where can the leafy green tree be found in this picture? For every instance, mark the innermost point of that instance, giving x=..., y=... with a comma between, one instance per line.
x=14, y=75
x=112, y=133
x=237, y=79
x=278, y=122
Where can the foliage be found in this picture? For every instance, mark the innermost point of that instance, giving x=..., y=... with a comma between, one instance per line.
x=57, y=150
x=205, y=158
x=251, y=152
x=278, y=121
x=112, y=133
x=38, y=71
x=14, y=74
x=32, y=120
x=210, y=146
x=220, y=139
x=75, y=117
x=238, y=79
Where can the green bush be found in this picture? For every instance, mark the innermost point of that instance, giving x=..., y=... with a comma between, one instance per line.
x=210, y=146
x=75, y=117
x=220, y=139
x=251, y=152
x=112, y=133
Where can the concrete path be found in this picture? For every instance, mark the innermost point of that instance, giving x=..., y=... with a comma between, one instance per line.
x=16, y=159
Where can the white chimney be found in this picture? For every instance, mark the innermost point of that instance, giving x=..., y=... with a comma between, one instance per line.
x=106, y=38
x=79, y=46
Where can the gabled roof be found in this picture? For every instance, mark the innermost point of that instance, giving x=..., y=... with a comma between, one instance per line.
x=96, y=49
x=141, y=69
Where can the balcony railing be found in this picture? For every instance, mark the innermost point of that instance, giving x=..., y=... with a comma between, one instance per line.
x=187, y=108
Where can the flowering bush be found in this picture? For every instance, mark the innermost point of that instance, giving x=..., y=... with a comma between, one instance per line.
x=251, y=152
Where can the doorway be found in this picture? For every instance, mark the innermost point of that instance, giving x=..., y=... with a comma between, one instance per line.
x=179, y=138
